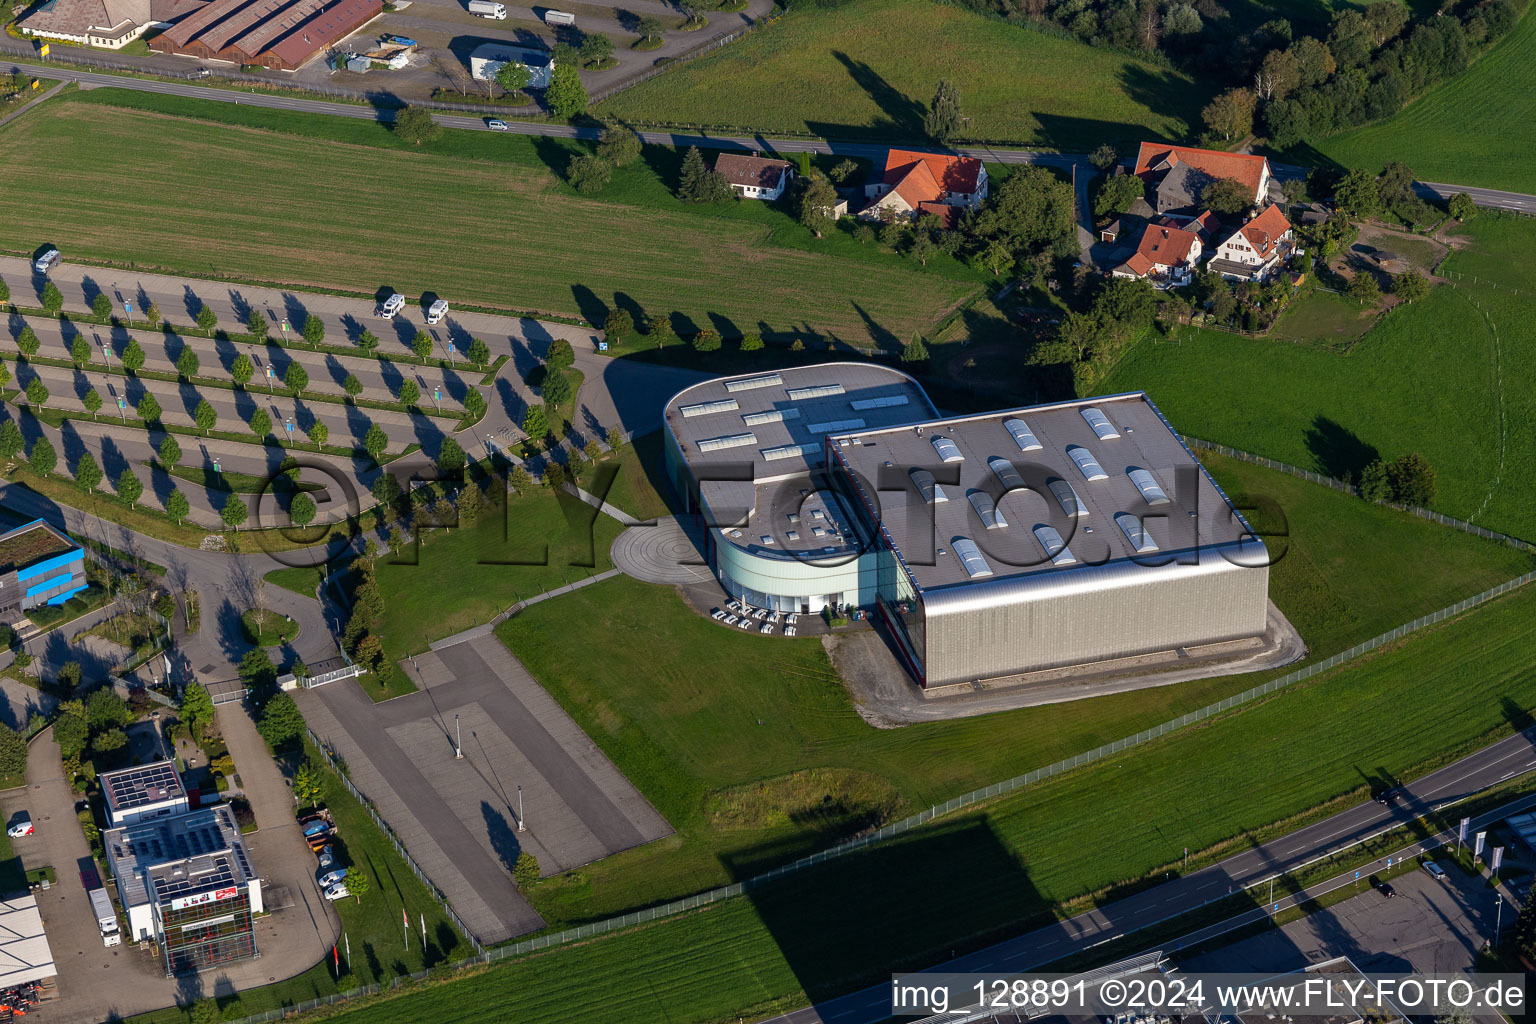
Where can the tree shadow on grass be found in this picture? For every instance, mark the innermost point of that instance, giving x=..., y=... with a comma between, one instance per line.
x=1337, y=451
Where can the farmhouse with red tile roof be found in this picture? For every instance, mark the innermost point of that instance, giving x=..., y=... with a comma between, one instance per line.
x=1178, y=175
x=1165, y=255
x=1255, y=249
x=920, y=182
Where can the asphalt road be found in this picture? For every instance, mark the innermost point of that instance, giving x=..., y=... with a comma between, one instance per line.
x=1488, y=197
x=1493, y=764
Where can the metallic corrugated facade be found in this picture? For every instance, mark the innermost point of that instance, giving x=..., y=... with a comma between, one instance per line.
x=984, y=629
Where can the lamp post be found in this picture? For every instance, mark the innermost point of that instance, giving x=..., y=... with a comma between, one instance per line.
x=521, y=820
x=106, y=353
x=458, y=740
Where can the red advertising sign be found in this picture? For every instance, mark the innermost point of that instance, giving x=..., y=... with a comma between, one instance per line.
x=226, y=893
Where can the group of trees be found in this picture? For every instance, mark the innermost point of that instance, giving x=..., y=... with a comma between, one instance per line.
x=588, y=173
x=1407, y=480
x=93, y=725
x=1089, y=342
x=360, y=637
x=698, y=183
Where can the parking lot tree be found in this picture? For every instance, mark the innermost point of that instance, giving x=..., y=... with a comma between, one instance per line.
x=565, y=95
x=352, y=386
x=11, y=441
x=207, y=319
x=649, y=28
x=618, y=145
x=187, y=363
x=536, y=422
x=26, y=340
x=133, y=356
x=519, y=479
x=525, y=871
x=234, y=512
x=313, y=330
x=386, y=489
x=104, y=709
x=92, y=402
x=5, y=373
x=615, y=440
x=170, y=452
x=591, y=450
x=318, y=432
x=751, y=342
x=256, y=324
x=42, y=458
x=302, y=509
x=129, y=487
x=554, y=475
x=13, y=753
x=261, y=423
x=70, y=730
x=80, y=351
x=204, y=416
x=177, y=506
x=450, y=458
x=37, y=392
x=479, y=352
x=618, y=325
x=560, y=356
x=358, y=883
x=241, y=369
x=367, y=341
x=557, y=388
x=281, y=723
x=296, y=378
x=308, y=785
x=410, y=392
x=375, y=441
x=707, y=340
x=474, y=403
x=88, y=472
x=422, y=344
x=817, y=201
x=53, y=299
x=589, y=174
x=5, y=292
x=69, y=675
x=659, y=329
x=152, y=314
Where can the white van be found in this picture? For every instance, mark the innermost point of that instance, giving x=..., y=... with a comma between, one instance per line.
x=392, y=305
x=559, y=18
x=437, y=311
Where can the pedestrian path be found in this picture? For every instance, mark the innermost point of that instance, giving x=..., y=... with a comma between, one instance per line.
x=487, y=628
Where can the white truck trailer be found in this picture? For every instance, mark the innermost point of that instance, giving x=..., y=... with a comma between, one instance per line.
x=488, y=9
x=106, y=917
x=559, y=18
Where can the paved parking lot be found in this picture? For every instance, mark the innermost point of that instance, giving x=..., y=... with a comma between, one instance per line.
x=459, y=817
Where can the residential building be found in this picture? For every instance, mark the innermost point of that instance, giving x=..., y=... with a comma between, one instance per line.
x=112, y=24
x=1178, y=175
x=141, y=793
x=937, y=183
x=489, y=58
x=270, y=33
x=755, y=177
x=1254, y=251
x=835, y=485
x=1164, y=255
x=186, y=883
x=39, y=565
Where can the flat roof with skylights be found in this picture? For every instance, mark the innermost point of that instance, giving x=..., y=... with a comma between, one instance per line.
x=1038, y=490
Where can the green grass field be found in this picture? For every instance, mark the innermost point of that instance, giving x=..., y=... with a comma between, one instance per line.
x=868, y=69
x=1325, y=320
x=671, y=697
x=1452, y=377
x=98, y=176
x=1473, y=130
x=987, y=874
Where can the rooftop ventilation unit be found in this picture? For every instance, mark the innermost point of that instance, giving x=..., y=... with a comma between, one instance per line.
x=1135, y=532
x=1005, y=473
x=814, y=391
x=976, y=567
x=927, y=486
x=1100, y=424
x=1066, y=497
x=1050, y=539
x=705, y=408
x=1022, y=435
x=1151, y=491
x=987, y=511
x=757, y=419
x=885, y=402
x=947, y=449
x=714, y=444
x=1086, y=463
x=767, y=380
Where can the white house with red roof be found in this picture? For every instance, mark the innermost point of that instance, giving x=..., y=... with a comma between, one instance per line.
x=937, y=183
x=1165, y=255
x=1178, y=175
x=1255, y=250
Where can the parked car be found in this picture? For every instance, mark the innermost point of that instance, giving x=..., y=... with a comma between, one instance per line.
x=200, y=73
x=392, y=305
x=316, y=826
x=437, y=311
x=337, y=892
x=47, y=261
x=1385, y=889
x=496, y=124
x=327, y=858
x=1435, y=871
x=22, y=826
x=330, y=878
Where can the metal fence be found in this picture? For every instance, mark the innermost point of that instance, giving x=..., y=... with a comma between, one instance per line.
x=389, y=833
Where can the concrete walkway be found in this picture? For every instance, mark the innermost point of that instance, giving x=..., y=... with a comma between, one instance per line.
x=668, y=551
x=487, y=628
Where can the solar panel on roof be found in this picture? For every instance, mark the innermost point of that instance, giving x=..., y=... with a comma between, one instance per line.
x=1151, y=491
x=927, y=486
x=947, y=449
x=1086, y=463
x=767, y=380
x=1006, y=474
x=987, y=510
x=1136, y=532
x=1100, y=423
x=1022, y=435
x=1056, y=548
x=1066, y=497
x=970, y=557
